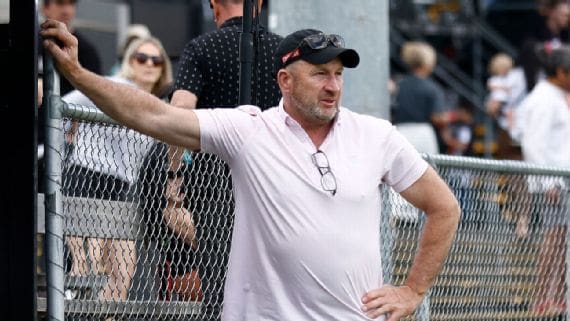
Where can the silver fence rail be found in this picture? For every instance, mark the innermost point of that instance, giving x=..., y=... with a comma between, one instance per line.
x=118, y=250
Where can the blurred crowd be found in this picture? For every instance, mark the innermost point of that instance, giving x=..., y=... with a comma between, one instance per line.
x=524, y=115
x=504, y=126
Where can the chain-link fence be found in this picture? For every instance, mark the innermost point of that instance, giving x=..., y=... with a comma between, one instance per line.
x=143, y=243
x=140, y=242
x=508, y=261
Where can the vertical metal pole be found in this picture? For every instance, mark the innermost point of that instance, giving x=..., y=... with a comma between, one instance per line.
x=566, y=206
x=478, y=80
x=53, y=198
x=246, y=54
x=18, y=194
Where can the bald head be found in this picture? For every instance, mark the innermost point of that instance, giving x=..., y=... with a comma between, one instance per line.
x=226, y=9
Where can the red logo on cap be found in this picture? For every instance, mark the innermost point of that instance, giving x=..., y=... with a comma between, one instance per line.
x=290, y=55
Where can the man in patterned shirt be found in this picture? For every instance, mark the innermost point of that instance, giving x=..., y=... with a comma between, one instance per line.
x=209, y=69
x=208, y=76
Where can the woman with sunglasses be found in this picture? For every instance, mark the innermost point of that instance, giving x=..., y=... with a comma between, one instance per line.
x=102, y=162
x=147, y=65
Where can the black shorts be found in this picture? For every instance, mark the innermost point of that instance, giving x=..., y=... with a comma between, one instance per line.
x=79, y=181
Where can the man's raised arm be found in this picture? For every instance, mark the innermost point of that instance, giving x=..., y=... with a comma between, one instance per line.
x=132, y=107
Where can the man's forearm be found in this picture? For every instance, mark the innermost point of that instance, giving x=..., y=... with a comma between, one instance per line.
x=140, y=110
x=114, y=99
x=127, y=105
x=434, y=245
x=438, y=234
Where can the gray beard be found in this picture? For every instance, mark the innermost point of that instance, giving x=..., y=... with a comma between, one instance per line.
x=314, y=112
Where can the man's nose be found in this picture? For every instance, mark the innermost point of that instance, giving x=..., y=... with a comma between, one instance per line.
x=334, y=83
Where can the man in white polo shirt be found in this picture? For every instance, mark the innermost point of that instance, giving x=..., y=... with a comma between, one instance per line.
x=306, y=183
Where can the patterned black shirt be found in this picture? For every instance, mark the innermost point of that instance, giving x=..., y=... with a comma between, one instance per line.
x=210, y=68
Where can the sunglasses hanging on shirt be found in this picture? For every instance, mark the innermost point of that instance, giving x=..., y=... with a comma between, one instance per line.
x=328, y=180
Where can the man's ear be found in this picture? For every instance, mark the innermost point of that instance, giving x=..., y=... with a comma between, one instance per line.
x=215, y=10
x=284, y=79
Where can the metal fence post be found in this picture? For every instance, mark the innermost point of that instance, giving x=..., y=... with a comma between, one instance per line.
x=53, y=127
x=566, y=200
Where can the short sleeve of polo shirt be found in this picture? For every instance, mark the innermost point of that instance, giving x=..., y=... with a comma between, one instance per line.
x=405, y=165
x=189, y=75
x=224, y=131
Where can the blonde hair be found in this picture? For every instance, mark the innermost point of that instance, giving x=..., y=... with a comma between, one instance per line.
x=418, y=54
x=134, y=31
x=127, y=71
x=500, y=64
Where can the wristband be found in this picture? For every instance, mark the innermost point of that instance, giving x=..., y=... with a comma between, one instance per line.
x=187, y=157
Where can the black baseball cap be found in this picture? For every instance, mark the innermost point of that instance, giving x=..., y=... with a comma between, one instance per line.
x=295, y=47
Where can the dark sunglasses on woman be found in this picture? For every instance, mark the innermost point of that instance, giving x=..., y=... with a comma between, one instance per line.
x=142, y=58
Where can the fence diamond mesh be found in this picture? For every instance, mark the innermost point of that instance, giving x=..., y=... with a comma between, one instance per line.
x=146, y=244
x=142, y=243
x=508, y=261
